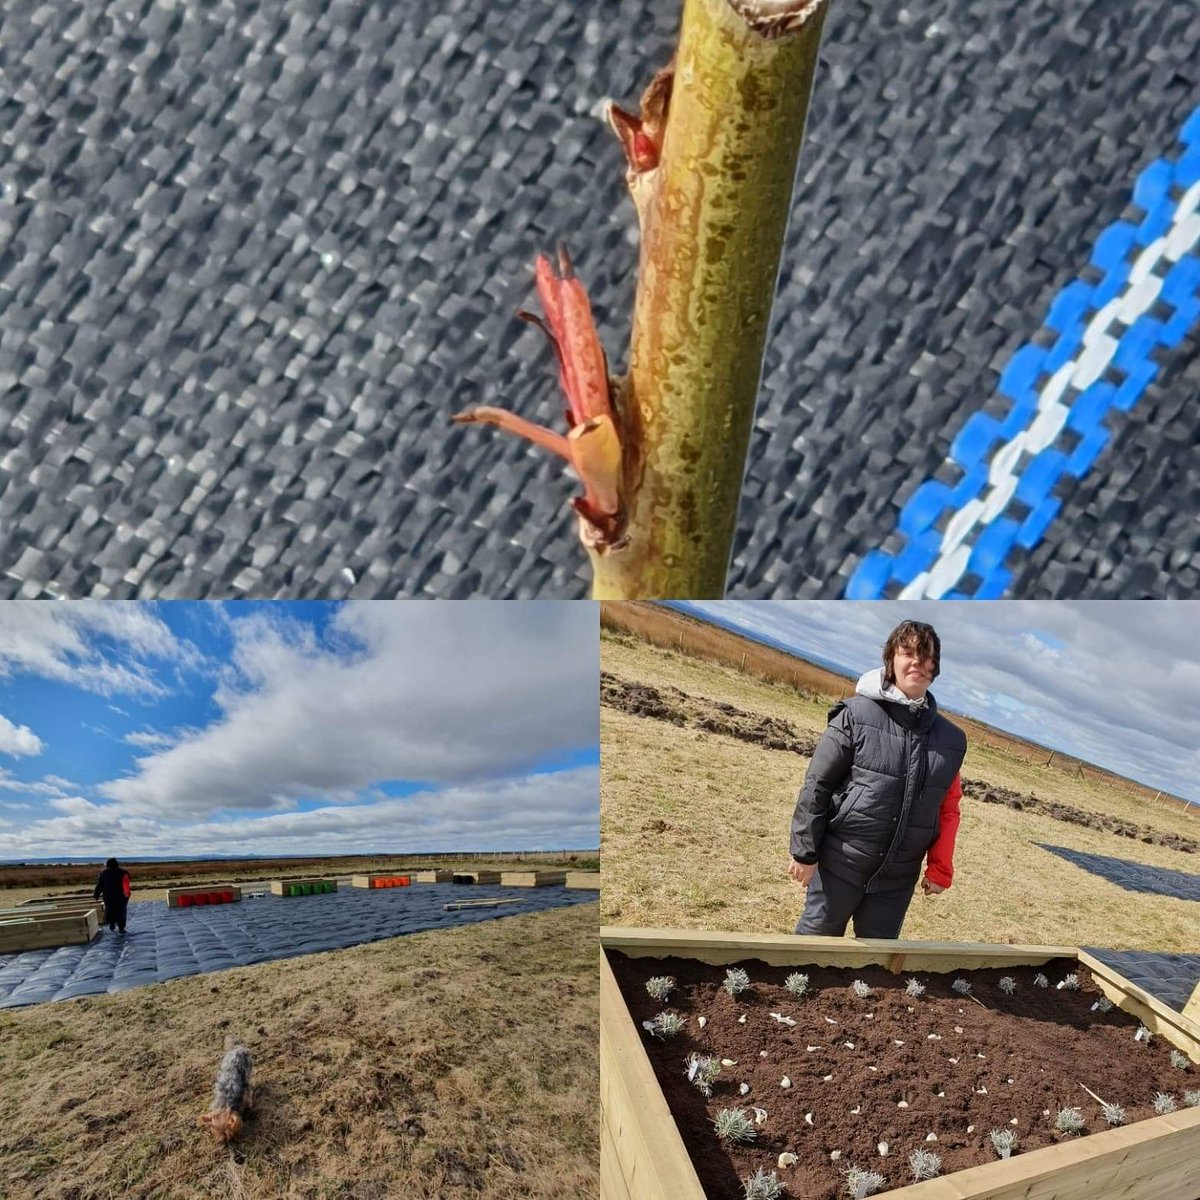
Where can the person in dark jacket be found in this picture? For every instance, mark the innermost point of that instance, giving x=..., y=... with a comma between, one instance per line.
x=113, y=886
x=881, y=794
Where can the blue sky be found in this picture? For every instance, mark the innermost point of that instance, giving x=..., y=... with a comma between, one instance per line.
x=1115, y=682
x=281, y=728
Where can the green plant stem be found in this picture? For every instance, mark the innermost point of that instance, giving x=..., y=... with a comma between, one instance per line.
x=711, y=242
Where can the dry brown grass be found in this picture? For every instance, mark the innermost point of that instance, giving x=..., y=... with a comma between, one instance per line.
x=695, y=831
x=449, y=1063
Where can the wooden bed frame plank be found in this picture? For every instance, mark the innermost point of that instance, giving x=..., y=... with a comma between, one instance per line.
x=641, y=1147
x=645, y=1148
x=781, y=949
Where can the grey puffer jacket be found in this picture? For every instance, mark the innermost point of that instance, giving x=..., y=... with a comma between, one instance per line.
x=869, y=808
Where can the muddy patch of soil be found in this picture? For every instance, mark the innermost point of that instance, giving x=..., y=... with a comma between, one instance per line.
x=989, y=793
x=712, y=716
x=889, y=1067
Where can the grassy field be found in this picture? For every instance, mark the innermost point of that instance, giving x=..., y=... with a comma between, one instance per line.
x=151, y=880
x=450, y=1063
x=701, y=641
x=695, y=828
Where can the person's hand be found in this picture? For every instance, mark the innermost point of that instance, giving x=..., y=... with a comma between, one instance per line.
x=930, y=888
x=801, y=873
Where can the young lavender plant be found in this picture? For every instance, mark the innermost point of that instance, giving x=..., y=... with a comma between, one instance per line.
x=763, y=1186
x=736, y=980
x=1069, y=1120
x=860, y=1182
x=666, y=1025
x=1008, y=985
x=1180, y=1060
x=732, y=1125
x=1163, y=1103
x=703, y=1071
x=1114, y=1114
x=962, y=987
x=925, y=1164
x=660, y=987
x=1192, y=1099
x=860, y=989
x=797, y=984
x=1039, y=980
x=1104, y=1004
x=914, y=987
x=1142, y=1034
x=1070, y=983
x=1004, y=1141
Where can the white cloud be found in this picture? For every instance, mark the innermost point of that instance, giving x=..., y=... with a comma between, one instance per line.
x=99, y=646
x=1116, y=683
x=441, y=692
x=555, y=811
x=150, y=739
x=18, y=740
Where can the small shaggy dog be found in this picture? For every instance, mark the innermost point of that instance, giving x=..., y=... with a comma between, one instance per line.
x=232, y=1094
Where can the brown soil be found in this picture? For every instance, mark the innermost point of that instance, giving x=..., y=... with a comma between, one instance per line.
x=712, y=716
x=976, y=789
x=1032, y=1051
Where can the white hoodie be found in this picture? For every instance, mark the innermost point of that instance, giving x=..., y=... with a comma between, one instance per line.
x=872, y=686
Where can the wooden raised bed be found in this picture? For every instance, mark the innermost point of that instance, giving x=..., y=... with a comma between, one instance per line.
x=380, y=881
x=583, y=879
x=45, y=930
x=642, y=1156
x=533, y=878
x=51, y=908
x=476, y=876
x=440, y=875
x=302, y=887
x=197, y=897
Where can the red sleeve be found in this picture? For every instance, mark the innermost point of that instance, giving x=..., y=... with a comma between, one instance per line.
x=125, y=885
x=939, y=862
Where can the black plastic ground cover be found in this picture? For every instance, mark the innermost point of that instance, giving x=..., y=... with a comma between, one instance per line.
x=1170, y=978
x=166, y=943
x=253, y=253
x=1133, y=876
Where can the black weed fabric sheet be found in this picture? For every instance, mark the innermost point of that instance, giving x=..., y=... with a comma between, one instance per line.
x=254, y=253
x=166, y=943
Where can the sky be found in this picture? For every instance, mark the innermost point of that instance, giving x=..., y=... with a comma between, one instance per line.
x=204, y=728
x=1116, y=682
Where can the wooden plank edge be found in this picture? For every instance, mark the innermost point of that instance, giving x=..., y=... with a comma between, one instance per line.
x=779, y=949
x=1082, y=1169
x=1180, y=1030
x=655, y=1164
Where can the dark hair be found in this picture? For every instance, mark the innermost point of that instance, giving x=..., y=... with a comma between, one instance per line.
x=112, y=864
x=912, y=635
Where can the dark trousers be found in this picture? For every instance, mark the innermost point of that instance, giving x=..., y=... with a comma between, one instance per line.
x=832, y=902
x=114, y=914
